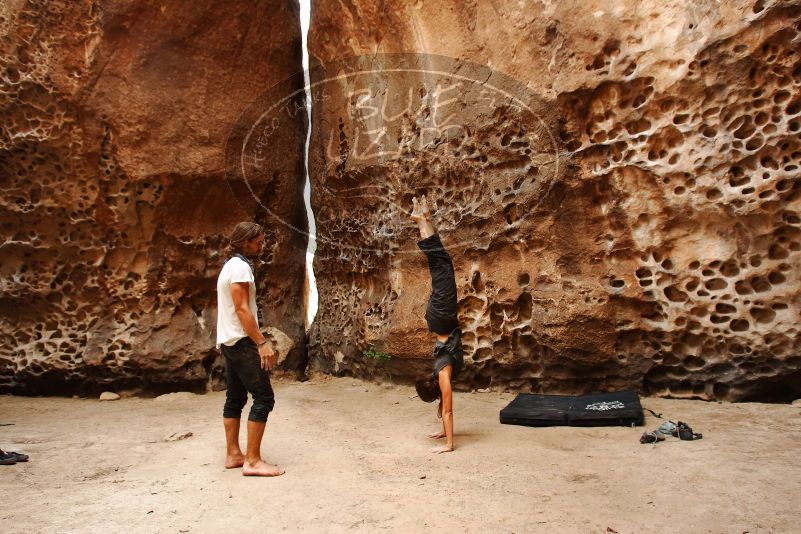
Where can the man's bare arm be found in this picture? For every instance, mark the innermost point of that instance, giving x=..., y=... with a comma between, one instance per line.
x=240, y=296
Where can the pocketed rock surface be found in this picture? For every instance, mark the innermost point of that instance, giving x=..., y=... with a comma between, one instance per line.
x=617, y=183
x=114, y=205
x=355, y=452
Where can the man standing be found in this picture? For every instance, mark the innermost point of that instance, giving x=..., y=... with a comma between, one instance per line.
x=248, y=355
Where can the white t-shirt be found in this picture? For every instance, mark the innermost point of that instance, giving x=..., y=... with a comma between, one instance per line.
x=229, y=329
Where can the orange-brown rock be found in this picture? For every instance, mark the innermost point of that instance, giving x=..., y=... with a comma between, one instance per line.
x=114, y=203
x=627, y=216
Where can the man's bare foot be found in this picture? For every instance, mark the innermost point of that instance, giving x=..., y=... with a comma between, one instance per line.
x=233, y=461
x=441, y=449
x=261, y=469
x=420, y=211
x=437, y=435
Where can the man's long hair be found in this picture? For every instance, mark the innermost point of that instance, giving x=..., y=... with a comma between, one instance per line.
x=244, y=232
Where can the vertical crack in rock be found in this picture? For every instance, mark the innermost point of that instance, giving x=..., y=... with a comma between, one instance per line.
x=659, y=256
x=311, y=284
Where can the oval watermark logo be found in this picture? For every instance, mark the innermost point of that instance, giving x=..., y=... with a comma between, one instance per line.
x=387, y=128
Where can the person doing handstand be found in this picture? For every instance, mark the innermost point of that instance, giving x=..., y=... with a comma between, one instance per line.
x=441, y=317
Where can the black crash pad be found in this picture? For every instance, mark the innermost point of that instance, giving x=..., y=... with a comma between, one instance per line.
x=600, y=409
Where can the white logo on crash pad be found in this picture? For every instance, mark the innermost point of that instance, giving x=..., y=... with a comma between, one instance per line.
x=604, y=406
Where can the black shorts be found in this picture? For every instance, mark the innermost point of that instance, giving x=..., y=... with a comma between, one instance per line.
x=449, y=353
x=244, y=374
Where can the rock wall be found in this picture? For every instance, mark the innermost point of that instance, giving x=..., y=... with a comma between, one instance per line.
x=114, y=202
x=628, y=215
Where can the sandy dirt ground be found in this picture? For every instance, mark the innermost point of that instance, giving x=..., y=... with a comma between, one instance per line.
x=356, y=459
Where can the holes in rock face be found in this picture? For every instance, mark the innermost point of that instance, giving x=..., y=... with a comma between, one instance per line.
x=666, y=105
x=729, y=269
x=698, y=311
x=792, y=218
x=510, y=213
x=776, y=278
x=638, y=126
x=694, y=363
x=670, y=359
x=476, y=282
x=739, y=325
x=777, y=252
x=482, y=354
x=630, y=69
x=783, y=185
x=721, y=307
x=738, y=177
x=763, y=315
x=720, y=391
x=693, y=325
x=523, y=279
x=760, y=285
x=755, y=143
x=716, y=284
x=708, y=131
x=714, y=194
x=718, y=319
x=746, y=129
x=680, y=118
x=617, y=283
x=674, y=294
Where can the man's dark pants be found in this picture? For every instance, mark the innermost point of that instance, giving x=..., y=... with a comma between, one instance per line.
x=244, y=374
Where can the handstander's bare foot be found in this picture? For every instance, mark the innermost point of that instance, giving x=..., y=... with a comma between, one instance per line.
x=420, y=211
x=441, y=449
x=261, y=468
x=421, y=214
x=234, y=460
x=437, y=435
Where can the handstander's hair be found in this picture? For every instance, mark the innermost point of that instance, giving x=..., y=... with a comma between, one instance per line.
x=428, y=389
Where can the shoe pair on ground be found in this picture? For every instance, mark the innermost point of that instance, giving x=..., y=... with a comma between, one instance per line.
x=11, y=457
x=682, y=430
